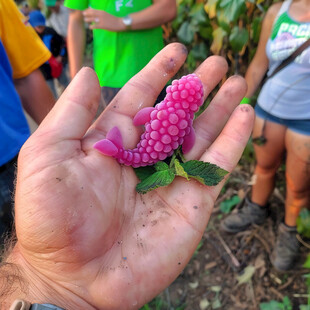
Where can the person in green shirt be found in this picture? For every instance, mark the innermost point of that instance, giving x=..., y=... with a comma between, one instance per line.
x=127, y=34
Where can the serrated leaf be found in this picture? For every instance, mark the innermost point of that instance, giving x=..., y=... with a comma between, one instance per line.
x=159, y=178
x=206, y=173
x=179, y=170
x=246, y=275
x=144, y=172
x=161, y=166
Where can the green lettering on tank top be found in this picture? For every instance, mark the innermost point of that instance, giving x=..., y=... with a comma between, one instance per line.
x=286, y=24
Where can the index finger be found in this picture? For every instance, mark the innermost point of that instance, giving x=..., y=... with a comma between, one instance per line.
x=142, y=90
x=139, y=92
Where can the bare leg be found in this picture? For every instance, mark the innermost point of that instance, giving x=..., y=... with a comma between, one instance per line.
x=297, y=175
x=268, y=157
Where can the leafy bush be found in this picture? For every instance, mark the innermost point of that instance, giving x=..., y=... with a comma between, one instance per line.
x=220, y=27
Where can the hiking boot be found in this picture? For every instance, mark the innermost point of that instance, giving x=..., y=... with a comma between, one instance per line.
x=248, y=213
x=287, y=248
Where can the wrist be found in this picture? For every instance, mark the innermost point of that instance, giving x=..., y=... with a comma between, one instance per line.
x=127, y=22
x=20, y=280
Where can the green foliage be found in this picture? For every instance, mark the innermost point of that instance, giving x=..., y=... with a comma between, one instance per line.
x=286, y=303
x=162, y=174
x=156, y=304
x=307, y=262
x=227, y=205
x=205, y=173
x=303, y=223
x=222, y=27
x=199, y=246
x=276, y=305
x=248, y=155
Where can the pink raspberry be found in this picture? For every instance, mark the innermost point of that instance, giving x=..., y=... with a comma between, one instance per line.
x=167, y=126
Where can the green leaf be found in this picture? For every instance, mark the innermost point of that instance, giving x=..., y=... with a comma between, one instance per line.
x=271, y=305
x=198, y=14
x=200, y=51
x=144, y=172
x=276, y=305
x=159, y=178
x=206, y=173
x=179, y=170
x=161, y=166
x=206, y=32
x=190, y=61
x=303, y=223
x=247, y=274
x=233, y=9
x=287, y=303
x=238, y=38
x=186, y=32
x=256, y=28
x=227, y=205
x=222, y=20
x=307, y=262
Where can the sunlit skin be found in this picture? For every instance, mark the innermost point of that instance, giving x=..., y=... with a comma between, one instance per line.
x=86, y=238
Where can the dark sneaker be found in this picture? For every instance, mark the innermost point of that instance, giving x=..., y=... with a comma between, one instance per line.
x=286, y=250
x=248, y=213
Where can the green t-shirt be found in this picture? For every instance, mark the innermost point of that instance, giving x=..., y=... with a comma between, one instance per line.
x=120, y=55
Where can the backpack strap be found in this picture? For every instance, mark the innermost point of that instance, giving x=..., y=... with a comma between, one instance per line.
x=289, y=59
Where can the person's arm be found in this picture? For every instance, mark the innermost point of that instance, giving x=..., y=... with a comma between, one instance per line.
x=85, y=238
x=76, y=41
x=35, y=95
x=160, y=12
x=259, y=65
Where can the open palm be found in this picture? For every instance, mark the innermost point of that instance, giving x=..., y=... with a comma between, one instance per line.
x=84, y=233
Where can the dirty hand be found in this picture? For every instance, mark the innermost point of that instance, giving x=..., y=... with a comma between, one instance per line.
x=86, y=238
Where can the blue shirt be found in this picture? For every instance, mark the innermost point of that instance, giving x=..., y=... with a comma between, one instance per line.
x=14, y=129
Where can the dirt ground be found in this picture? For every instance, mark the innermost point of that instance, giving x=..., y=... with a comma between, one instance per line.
x=219, y=273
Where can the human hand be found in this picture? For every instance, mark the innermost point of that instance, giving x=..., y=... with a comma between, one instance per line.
x=99, y=19
x=86, y=238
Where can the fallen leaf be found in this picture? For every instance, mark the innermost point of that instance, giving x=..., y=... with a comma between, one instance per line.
x=246, y=275
x=204, y=304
